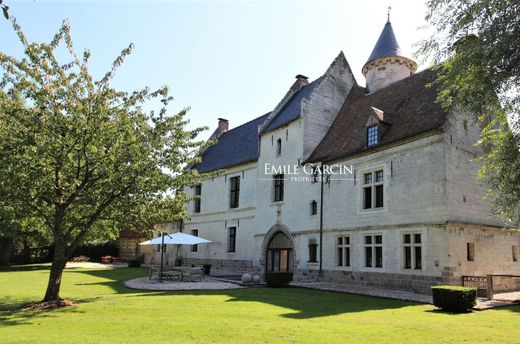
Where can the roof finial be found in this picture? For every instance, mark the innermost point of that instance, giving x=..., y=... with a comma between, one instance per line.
x=388, y=19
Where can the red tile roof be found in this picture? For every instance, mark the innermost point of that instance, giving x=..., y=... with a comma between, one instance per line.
x=410, y=103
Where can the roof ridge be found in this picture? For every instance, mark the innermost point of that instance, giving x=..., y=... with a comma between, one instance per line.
x=252, y=120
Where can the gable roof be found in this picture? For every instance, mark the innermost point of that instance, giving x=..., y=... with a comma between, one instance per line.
x=386, y=44
x=412, y=106
x=292, y=108
x=236, y=146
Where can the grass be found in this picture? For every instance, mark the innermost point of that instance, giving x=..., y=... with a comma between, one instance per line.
x=110, y=313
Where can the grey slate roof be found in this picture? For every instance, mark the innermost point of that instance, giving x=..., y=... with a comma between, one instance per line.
x=386, y=44
x=237, y=146
x=292, y=109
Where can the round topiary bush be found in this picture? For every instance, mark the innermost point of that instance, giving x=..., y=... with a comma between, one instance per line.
x=278, y=279
x=454, y=299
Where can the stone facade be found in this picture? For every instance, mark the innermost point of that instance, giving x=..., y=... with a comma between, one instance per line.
x=431, y=196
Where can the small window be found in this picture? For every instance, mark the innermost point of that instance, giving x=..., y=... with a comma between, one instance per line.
x=343, y=251
x=198, y=192
x=314, y=208
x=278, y=187
x=313, y=251
x=278, y=146
x=374, y=251
x=412, y=250
x=232, y=239
x=372, y=138
x=470, y=248
x=515, y=253
x=373, y=190
x=234, y=192
x=194, y=232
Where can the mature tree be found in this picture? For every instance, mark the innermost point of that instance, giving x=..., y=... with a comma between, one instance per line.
x=84, y=157
x=476, y=46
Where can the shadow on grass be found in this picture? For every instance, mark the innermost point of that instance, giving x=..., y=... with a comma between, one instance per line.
x=31, y=267
x=305, y=303
x=13, y=313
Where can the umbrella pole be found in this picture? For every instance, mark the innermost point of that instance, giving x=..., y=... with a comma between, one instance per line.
x=162, y=256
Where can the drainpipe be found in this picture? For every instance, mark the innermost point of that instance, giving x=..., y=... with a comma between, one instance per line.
x=321, y=218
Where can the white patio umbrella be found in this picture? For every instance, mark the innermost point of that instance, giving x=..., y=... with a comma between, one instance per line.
x=176, y=238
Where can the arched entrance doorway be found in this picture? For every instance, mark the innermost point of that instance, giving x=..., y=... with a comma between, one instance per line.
x=279, y=253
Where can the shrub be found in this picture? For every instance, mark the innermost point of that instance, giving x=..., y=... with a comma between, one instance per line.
x=135, y=262
x=453, y=298
x=278, y=279
x=96, y=251
x=80, y=259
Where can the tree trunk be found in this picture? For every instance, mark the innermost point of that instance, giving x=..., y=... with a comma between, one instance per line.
x=6, y=250
x=58, y=264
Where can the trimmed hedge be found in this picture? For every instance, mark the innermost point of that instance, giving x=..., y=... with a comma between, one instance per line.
x=453, y=298
x=278, y=279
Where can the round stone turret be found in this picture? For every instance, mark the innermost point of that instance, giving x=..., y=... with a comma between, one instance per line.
x=386, y=64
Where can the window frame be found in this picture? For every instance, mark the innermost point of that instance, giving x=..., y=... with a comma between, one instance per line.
x=234, y=192
x=373, y=184
x=194, y=248
x=197, y=190
x=373, y=247
x=343, y=259
x=232, y=239
x=278, y=187
x=278, y=147
x=372, y=135
x=313, y=251
x=314, y=207
x=415, y=263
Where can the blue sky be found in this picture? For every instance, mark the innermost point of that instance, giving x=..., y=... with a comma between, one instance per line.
x=231, y=59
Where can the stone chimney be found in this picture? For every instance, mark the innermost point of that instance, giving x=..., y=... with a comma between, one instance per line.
x=301, y=80
x=223, y=126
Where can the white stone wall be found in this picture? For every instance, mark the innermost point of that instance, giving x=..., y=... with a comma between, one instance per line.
x=322, y=107
x=467, y=194
x=216, y=217
x=493, y=250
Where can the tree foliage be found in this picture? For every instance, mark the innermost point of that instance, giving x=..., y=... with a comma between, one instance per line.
x=476, y=46
x=85, y=158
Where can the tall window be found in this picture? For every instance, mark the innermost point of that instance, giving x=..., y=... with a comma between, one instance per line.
x=314, y=208
x=343, y=251
x=278, y=187
x=372, y=135
x=313, y=251
x=515, y=253
x=196, y=205
x=232, y=239
x=278, y=146
x=412, y=245
x=470, y=251
x=373, y=189
x=234, y=192
x=194, y=232
x=374, y=251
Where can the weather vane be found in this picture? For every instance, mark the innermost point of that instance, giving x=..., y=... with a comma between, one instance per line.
x=389, y=8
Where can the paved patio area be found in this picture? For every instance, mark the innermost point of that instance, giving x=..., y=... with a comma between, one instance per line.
x=94, y=265
x=207, y=284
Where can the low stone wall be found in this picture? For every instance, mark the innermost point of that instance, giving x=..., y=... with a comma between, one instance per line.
x=228, y=265
x=416, y=283
x=506, y=283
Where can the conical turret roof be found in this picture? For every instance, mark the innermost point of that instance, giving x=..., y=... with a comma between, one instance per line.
x=386, y=44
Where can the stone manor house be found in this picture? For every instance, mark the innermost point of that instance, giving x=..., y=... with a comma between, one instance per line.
x=406, y=211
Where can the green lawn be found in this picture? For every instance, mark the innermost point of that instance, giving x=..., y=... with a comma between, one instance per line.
x=110, y=313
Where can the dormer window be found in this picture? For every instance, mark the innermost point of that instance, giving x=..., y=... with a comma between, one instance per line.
x=278, y=146
x=372, y=137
